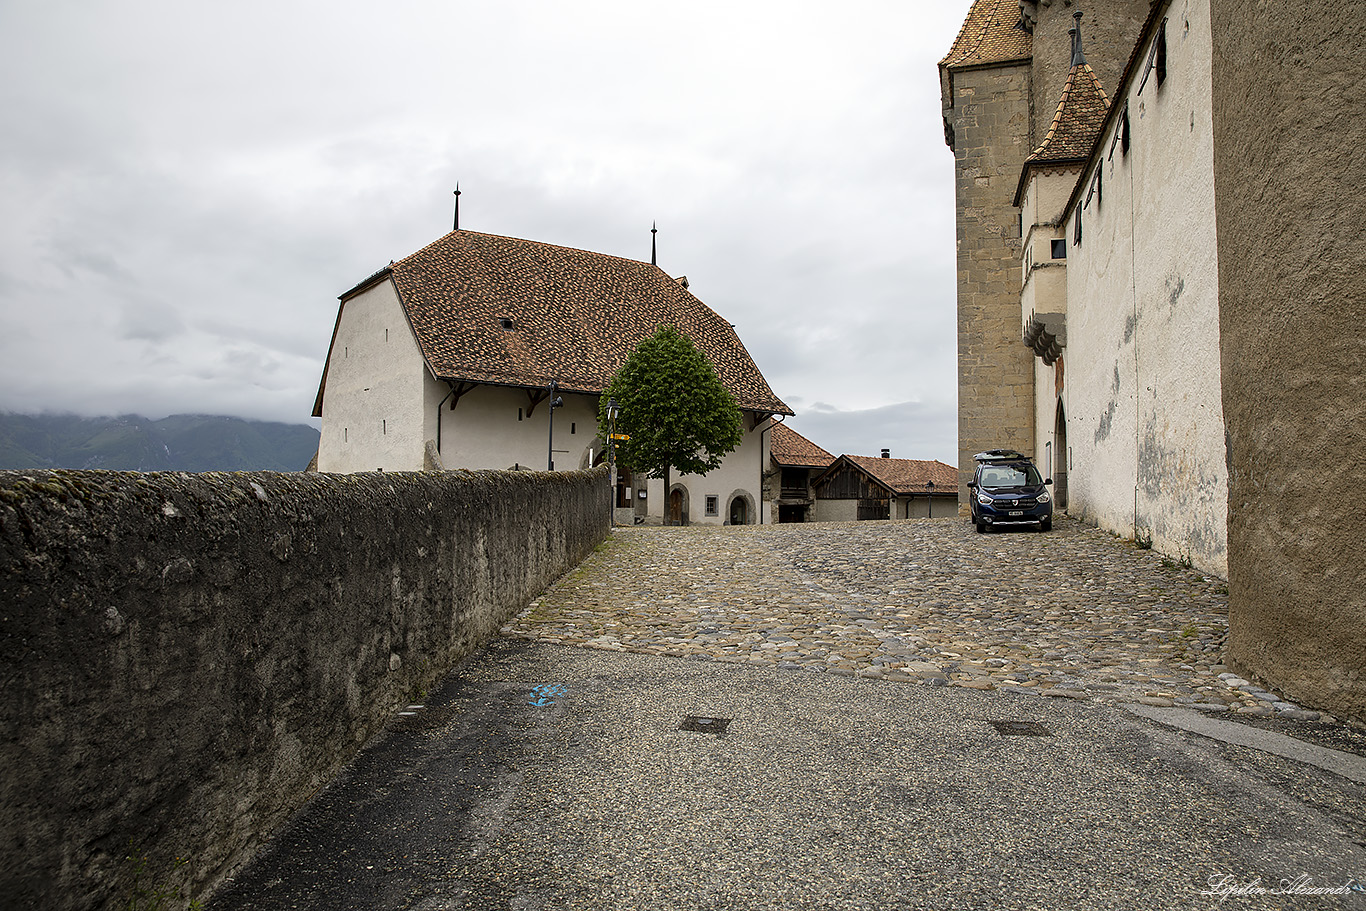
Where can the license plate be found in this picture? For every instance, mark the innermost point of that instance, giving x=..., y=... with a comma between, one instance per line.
x=1017, y=512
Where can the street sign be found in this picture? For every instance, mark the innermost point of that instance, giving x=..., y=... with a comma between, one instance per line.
x=620, y=436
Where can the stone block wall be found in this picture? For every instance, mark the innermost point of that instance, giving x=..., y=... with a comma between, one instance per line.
x=186, y=659
x=991, y=125
x=1288, y=169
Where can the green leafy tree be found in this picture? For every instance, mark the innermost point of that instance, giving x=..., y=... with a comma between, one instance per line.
x=673, y=407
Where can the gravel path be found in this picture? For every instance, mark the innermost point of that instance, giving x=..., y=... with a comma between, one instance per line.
x=1075, y=613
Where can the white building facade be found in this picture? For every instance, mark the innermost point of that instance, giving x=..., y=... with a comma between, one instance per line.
x=1125, y=322
x=445, y=360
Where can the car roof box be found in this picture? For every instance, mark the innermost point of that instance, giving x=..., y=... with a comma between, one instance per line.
x=999, y=455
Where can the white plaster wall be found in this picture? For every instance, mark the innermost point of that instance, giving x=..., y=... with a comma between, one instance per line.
x=1045, y=424
x=835, y=511
x=740, y=471
x=1142, y=385
x=374, y=388
x=918, y=507
x=490, y=428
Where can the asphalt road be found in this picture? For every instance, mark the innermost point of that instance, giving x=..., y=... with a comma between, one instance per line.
x=549, y=777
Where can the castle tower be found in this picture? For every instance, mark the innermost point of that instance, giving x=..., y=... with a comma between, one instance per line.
x=1000, y=84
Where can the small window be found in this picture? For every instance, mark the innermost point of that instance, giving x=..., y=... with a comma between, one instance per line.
x=504, y=322
x=1059, y=248
x=1124, y=131
x=1076, y=230
x=383, y=427
x=571, y=427
x=712, y=505
x=519, y=414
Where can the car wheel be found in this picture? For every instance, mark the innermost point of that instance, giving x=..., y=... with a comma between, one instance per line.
x=981, y=528
x=1046, y=525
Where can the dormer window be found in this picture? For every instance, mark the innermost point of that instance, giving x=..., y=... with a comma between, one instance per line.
x=505, y=322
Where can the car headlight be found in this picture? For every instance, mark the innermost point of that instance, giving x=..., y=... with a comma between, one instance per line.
x=983, y=499
x=1045, y=498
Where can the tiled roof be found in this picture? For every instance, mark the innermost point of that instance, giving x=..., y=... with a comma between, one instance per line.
x=789, y=448
x=570, y=315
x=908, y=475
x=992, y=33
x=1077, y=121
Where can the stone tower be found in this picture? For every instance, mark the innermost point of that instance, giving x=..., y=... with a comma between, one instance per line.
x=1000, y=84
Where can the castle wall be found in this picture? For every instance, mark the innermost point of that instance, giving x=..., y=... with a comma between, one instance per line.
x=990, y=122
x=1143, y=387
x=188, y=658
x=1288, y=162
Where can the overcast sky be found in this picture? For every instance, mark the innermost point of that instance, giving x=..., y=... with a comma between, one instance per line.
x=187, y=187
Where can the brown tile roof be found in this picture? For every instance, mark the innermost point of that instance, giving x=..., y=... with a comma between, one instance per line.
x=992, y=33
x=573, y=316
x=1077, y=121
x=789, y=448
x=1076, y=124
x=908, y=475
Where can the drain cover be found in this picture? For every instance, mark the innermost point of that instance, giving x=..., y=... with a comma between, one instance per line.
x=1021, y=728
x=703, y=724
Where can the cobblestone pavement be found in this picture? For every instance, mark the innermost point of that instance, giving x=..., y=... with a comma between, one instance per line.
x=1075, y=613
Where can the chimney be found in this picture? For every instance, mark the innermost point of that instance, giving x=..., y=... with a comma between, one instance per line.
x=886, y=453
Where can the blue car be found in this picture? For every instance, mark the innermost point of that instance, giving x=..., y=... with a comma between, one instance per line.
x=1006, y=490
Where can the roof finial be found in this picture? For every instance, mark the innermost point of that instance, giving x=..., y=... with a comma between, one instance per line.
x=457, y=206
x=654, y=229
x=1078, y=58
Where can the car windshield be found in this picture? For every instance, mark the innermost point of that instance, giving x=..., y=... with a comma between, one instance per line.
x=1024, y=475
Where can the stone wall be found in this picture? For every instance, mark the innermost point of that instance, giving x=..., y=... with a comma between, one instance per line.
x=1289, y=170
x=990, y=121
x=187, y=658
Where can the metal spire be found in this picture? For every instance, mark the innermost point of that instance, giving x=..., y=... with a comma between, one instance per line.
x=654, y=229
x=457, y=206
x=1078, y=58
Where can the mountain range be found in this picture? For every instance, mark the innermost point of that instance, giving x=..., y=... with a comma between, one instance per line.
x=181, y=442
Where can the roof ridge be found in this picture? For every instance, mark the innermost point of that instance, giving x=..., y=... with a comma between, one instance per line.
x=524, y=240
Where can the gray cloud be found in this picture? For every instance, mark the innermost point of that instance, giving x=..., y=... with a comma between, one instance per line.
x=193, y=186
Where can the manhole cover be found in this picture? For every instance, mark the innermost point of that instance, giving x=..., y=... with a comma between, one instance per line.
x=1021, y=728
x=704, y=724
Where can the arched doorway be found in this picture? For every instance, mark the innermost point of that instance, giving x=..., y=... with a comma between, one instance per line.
x=678, y=506
x=740, y=510
x=1060, y=459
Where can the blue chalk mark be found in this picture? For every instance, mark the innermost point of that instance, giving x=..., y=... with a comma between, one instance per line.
x=546, y=693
